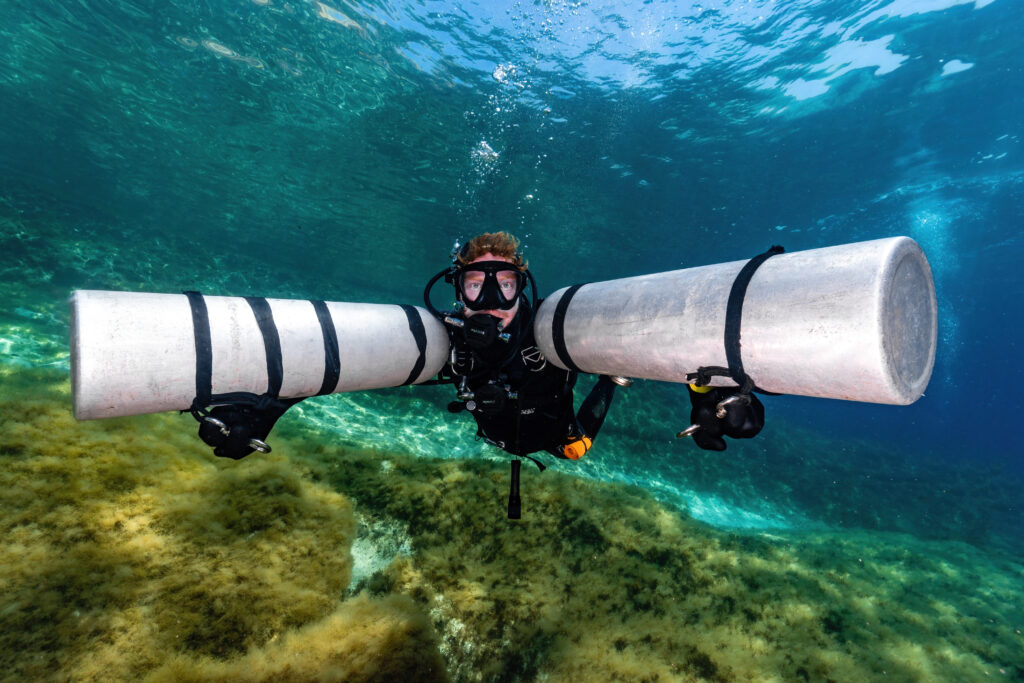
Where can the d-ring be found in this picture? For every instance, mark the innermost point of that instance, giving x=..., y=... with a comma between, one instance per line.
x=257, y=445
x=721, y=408
x=218, y=424
x=689, y=431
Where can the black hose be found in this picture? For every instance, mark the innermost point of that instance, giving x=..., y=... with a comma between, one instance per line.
x=515, y=506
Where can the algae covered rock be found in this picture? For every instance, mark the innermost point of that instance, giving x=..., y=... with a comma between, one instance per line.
x=124, y=545
x=600, y=582
x=128, y=552
x=364, y=639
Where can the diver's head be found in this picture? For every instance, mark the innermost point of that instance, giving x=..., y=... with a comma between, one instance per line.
x=500, y=245
x=490, y=276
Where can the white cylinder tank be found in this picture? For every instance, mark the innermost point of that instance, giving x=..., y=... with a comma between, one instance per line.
x=135, y=353
x=856, y=322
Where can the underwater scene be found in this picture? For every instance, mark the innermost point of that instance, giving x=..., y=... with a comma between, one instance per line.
x=337, y=151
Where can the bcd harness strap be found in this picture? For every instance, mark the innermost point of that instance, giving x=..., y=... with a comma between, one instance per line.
x=733, y=318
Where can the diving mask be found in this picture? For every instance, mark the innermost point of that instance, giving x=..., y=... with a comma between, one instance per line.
x=490, y=285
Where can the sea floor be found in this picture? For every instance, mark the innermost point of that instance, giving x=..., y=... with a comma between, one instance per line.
x=129, y=552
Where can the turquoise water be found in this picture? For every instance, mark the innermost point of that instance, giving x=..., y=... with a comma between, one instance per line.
x=337, y=151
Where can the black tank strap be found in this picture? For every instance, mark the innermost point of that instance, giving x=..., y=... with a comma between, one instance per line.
x=204, y=347
x=332, y=355
x=271, y=343
x=419, y=333
x=558, y=328
x=733, y=320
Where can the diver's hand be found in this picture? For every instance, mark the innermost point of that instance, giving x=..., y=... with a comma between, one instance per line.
x=742, y=419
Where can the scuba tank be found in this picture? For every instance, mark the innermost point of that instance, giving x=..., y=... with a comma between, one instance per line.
x=856, y=322
x=135, y=353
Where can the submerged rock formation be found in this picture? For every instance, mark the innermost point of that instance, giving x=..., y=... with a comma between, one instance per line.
x=129, y=552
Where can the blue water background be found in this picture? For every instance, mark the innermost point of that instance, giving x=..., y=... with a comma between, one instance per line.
x=336, y=150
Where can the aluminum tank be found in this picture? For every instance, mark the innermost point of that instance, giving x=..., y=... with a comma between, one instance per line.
x=855, y=322
x=134, y=353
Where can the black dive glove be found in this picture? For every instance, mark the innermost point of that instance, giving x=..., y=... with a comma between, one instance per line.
x=743, y=418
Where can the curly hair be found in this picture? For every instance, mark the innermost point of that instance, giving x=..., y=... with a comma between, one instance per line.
x=501, y=244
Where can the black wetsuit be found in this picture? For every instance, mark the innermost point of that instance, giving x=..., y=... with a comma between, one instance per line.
x=521, y=402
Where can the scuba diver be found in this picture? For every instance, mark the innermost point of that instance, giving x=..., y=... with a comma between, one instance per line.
x=522, y=403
